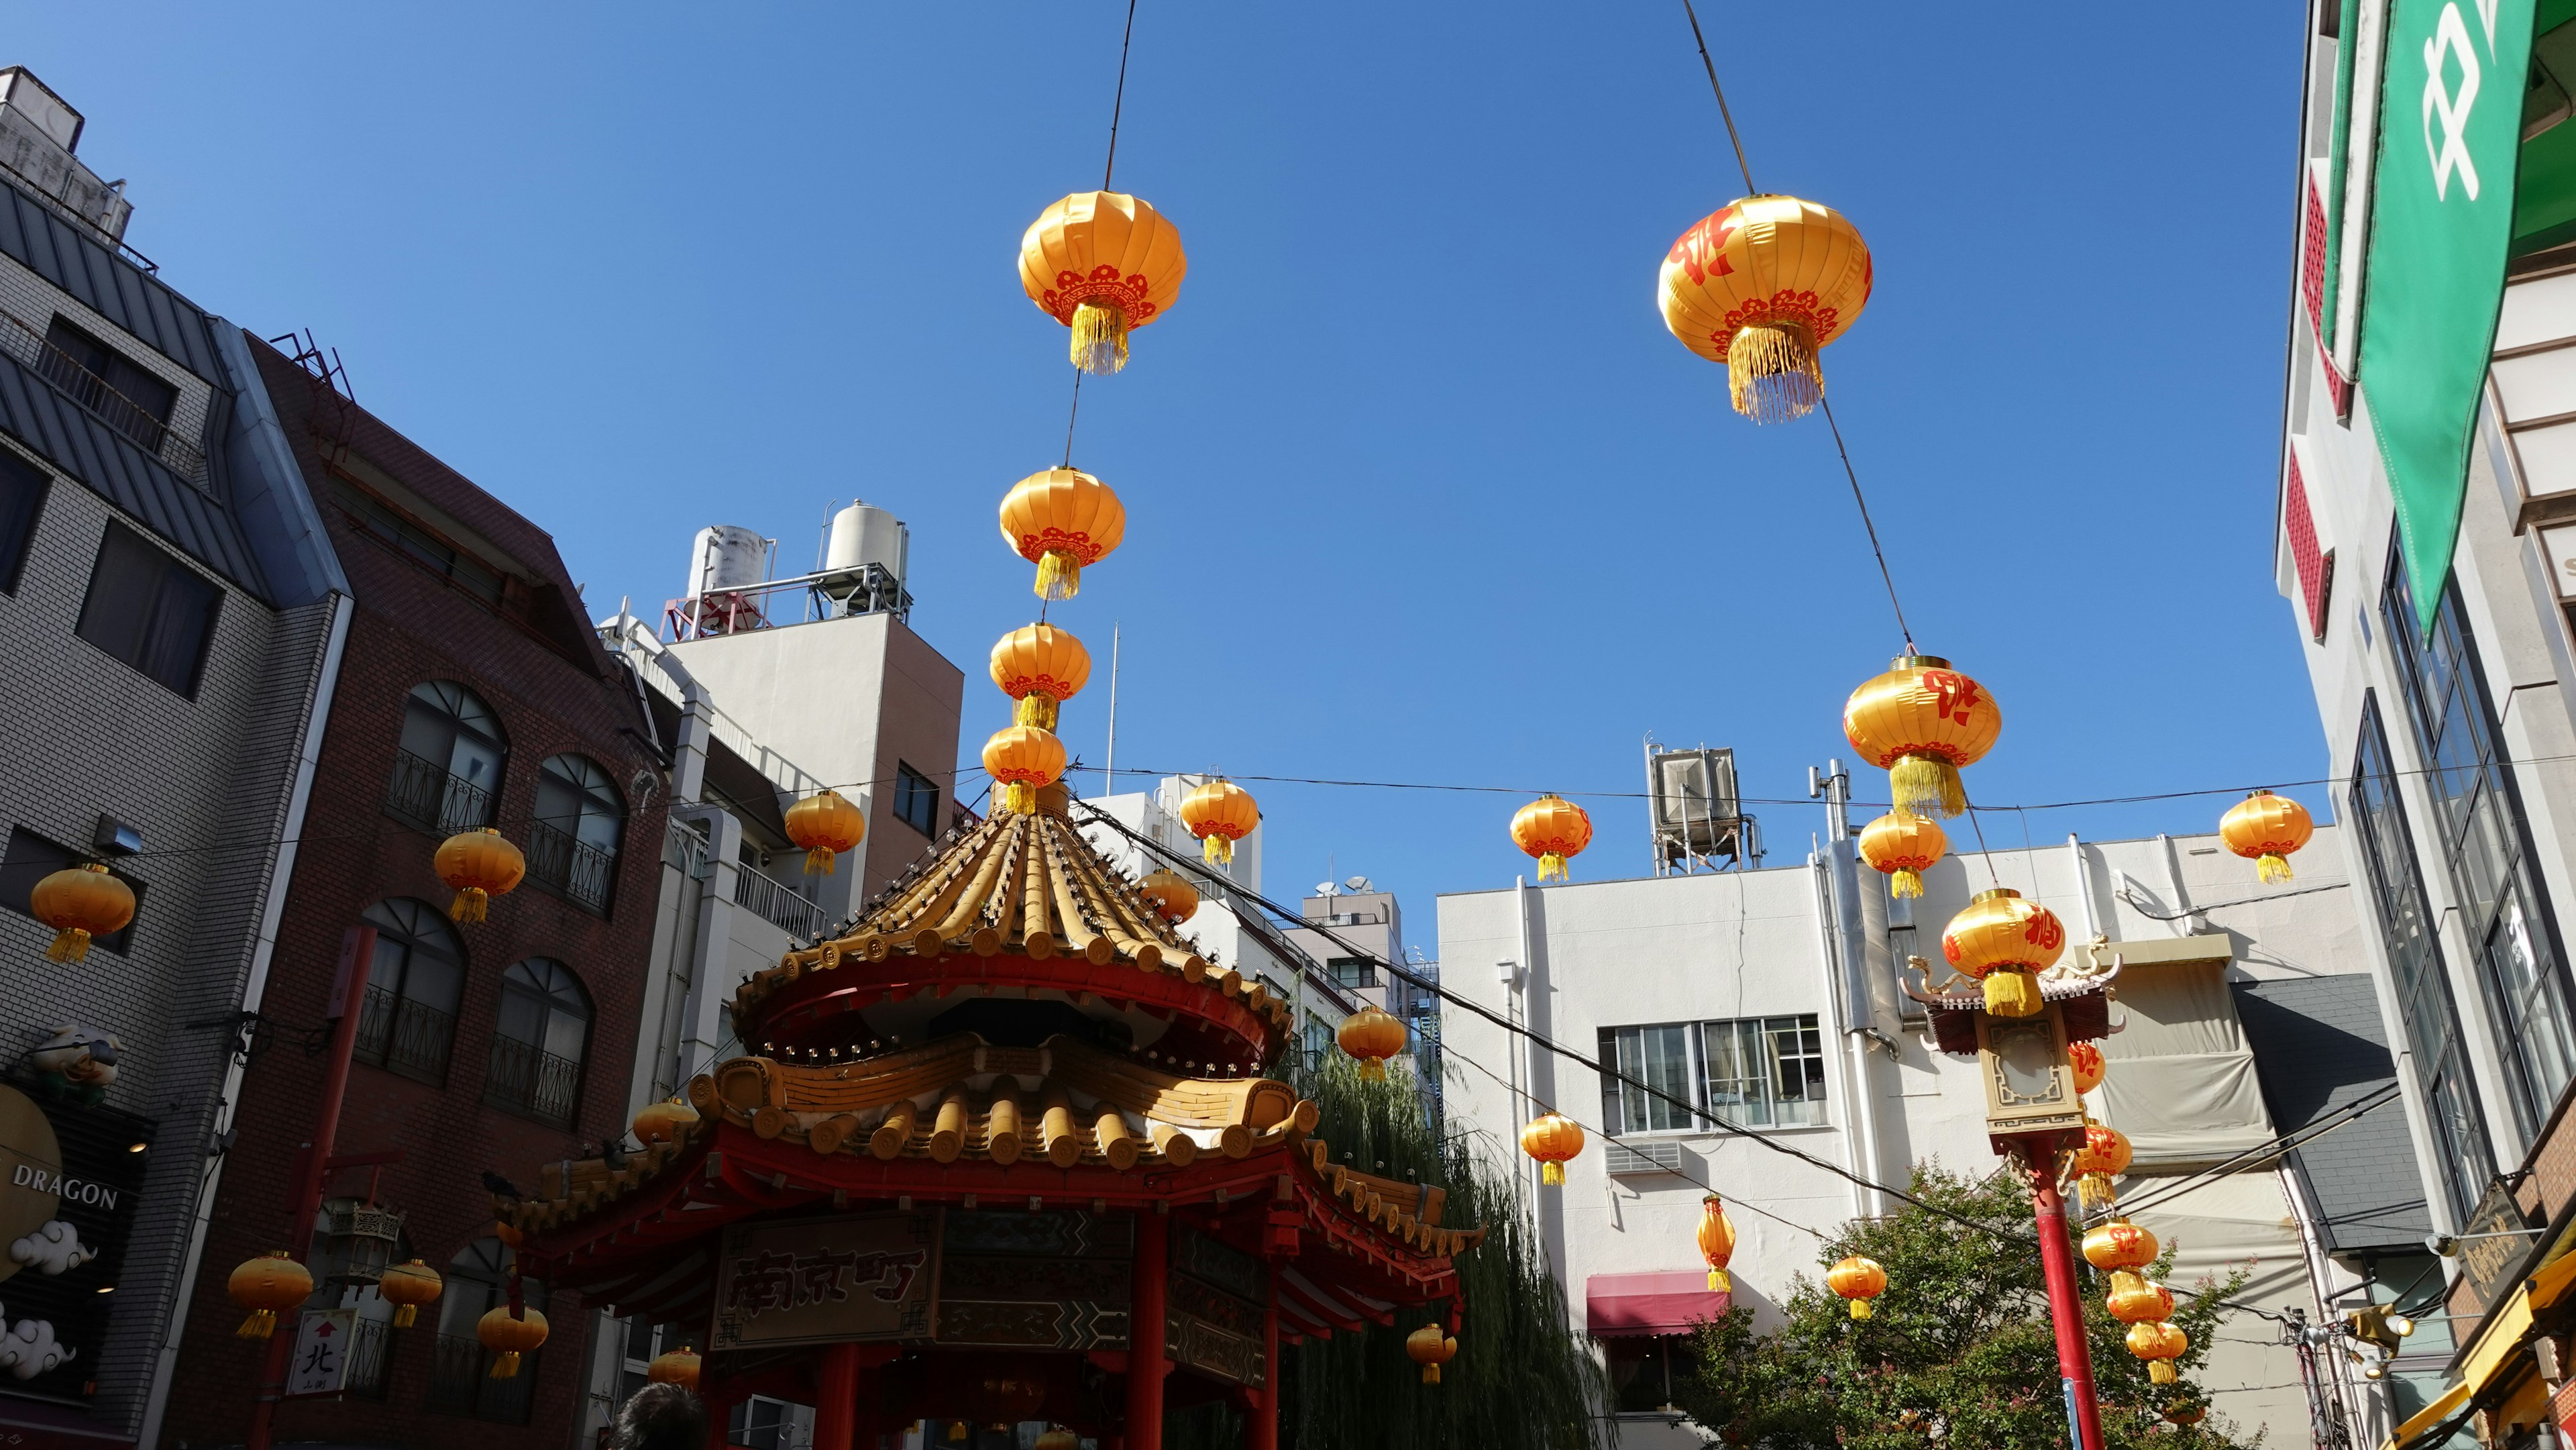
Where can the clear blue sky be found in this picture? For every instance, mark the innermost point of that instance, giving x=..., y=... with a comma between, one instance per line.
x=1419, y=488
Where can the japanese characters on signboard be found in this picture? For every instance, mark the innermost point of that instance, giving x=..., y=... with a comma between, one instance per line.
x=71, y=1178
x=826, y=1280
x=321, y=1363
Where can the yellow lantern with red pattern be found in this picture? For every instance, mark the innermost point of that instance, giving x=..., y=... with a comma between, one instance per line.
x=825, y=824
x=2119, y=1244
x=2105, y=1154
x=1762, y=285
x=2005, y=942
x=1041, y=667
x=1174, y=898
x=2086, y=1060
x=1219, y=813
x=1102, y=263
x=2265, y=829
x=1554, y=1140
x=1716, y=1238
x=1858, y=1279
x=1554, y=830
x=1020, y=759
x=1062, y=520
x=2159, y=1345
x=1922, y=721
x=1902, y=848
x=2135, y=1299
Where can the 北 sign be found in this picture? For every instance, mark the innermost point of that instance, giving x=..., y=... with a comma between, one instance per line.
x=827, y=1280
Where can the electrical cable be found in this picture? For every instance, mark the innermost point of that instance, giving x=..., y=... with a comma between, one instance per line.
x=1108, y=168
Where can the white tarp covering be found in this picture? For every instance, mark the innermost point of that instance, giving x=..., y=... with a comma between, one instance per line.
x=2181, y=1081
x=2240, y=1221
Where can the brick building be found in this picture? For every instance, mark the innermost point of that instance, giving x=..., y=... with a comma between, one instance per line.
x=473, y=693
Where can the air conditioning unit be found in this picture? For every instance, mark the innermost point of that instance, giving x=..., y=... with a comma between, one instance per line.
x=1627, y=1161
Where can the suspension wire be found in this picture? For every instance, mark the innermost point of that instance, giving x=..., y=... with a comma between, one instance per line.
x=1070, y=415
x=1720, y=91
x=1119, y=104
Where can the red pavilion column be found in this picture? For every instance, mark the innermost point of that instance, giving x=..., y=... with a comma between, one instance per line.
x=1265, y=1416
x=836, y=1397
x=1145, y=1364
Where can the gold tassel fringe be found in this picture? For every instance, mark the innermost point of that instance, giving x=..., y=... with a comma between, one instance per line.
x=71, y=944
x=1099, y=338
x=1431, y=1374
x=2273, y=867
x=1860, y=1308
x=1552, y=1175
x=1909, y=882
x=2094, y=1190
x=1926, y=787
x=469, y=904
x=1771, y=372
x=2162, y=1372
x=818, y=860
x=1718, y=1283
x=1551, y=867
x=1372, y=1069
x=1021, y=797
x=1216, y=850
x=260, y=1325
x=1035, y=708
x=2012, y=994
x=1059, y=575
x=405, y=1316
x=506, y=1367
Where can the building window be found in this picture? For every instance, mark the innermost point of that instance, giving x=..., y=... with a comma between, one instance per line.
x=1353, y=971
x=374, y=516
x=1755, y=1072
x=22, y=498
x=1642, y=1370
x=537, y=1048
x=32, y=858
x=447, y=771
x=572, y=843
x=149, y=610
x=916, y=800
x=640, y=1341
x=2477, y=814
x=414, y=984
x=460, y=1377
x=105, y=381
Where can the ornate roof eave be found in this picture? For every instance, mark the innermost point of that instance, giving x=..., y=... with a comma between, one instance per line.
x=2084, y=992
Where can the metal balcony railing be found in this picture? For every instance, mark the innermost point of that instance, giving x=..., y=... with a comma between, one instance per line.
x=27, y=343
x=460, y=1382
x=405, y=1036
x=424, y=793
x=776, y=903
x=370, y=1359
x=581, y=872
x=529, y=1078
x=684, y=850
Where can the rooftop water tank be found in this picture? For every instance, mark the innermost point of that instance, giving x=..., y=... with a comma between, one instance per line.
x=864, y=535
x=725, y=558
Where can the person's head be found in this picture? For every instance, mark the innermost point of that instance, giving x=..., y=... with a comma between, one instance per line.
x=661, y=1417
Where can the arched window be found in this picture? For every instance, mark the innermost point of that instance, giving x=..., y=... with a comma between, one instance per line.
x=447, y=774
x=538, y=1045
x=414, y=982
x=461, y=1382
x=572, y=844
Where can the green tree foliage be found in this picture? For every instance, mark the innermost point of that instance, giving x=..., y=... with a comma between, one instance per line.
x=1959, y=1354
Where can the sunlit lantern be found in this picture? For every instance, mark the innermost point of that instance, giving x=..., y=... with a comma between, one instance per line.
x=1553, y=829
x=660, y=1122
x=1716, y=1235
x=1762, y=285
x=2119, y=1244
x=1062, y=520
x=2004, y=942
x=1920, y=722
x=478, y=864
x=1553, y=1139
x=825, y=824
x=2105, y=1155
x=1858, y=1279
x=408, y=1286
x=508, y=1338
x=1041, y=667
x=2159, y=1345
x=1430, y=1349
x=1174, y=898
x=1102, y=263
x=1219, y=813
x=268, y=1286
x=2265, y=828
x=1902, y=848
x=2086, y=1060
x=1021, y=758
x=2134, y=1299
x=674, y=1367
x=1372, y=1036
x=80, y=903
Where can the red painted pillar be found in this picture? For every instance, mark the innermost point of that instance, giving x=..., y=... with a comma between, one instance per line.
x=2065, y=1300
x=1265, y=1417
x=1145, y=1363
x=836, y=1398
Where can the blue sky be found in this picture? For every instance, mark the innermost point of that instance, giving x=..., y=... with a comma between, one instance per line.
x=1419, y=488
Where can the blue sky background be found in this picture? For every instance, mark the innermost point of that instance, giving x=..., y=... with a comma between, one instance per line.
x=1419, y=488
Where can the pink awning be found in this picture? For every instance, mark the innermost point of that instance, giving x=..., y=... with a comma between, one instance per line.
x=1633, y=1304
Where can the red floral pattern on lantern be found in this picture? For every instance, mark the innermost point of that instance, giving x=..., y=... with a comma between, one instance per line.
x=1034, y=547
x=1801, y=308
x=1040, y=684
x=1103, y=284
x=1701, y=251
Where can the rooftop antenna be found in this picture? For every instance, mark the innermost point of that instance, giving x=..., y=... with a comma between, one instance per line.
x=1109, y=763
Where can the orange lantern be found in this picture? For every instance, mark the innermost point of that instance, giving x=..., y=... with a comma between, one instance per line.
x=2137, y=1300
x=1059, y=1438
x=2086, y=1059
x=2105, y=1153
x=1552, y=828
x=1716, y=1242
x=480, y=865
x=268, y=1286
x=2265, y=828
x=1553, y=1139
x=1062, y=520
x=2005, y=942
x=2119, y=1244
x=509, y=1337
x=2190, y=1412
x=508, y=1233
x=1858, y=1279
x=407, y=1286
x=79, y=903
x=1920, y=722
x=1372, y=1036
x=2159, y=1345
x=1902, y=848
x=1219, y=813
x=1430, y=1349
x=1020, y=758
x=825, y=824
x=661, y=1122
x=1171, y=892
x=1040, y=666
x=1761, y=285
x=674, y=1367
x=1102, y=263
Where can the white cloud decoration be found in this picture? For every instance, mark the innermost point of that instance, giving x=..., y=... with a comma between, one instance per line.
x=53, y=1249
x=29, y=1349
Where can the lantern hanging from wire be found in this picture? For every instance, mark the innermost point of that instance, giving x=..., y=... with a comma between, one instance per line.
x=1103, y=263
x=1059, y=1438
x=81, y=903
x=2104, y=1155
x=660, y=1122
x=2135, y=1299
x=1371, y=1036
x=1554, y=830
x=825, y=824
x=2119, y=1244
x=1858, y=1279
x=1716, y=1236
x=1062, y=520
x=1762, y=285
x=1021, y=758
x=1174, y=898
x=1041, y=667
x=1920, y=722
x=408, y=1286
x=1219, y=813
x=2005, y=942
x=268, y=1286
x=1430, y=1349
x=2086, y=1060
x=478, y=865
x=2159, y=1344
x=2265, y=829
x=509, y=1337
x=1902, y=848
x=1554, y=1140
x=675, y=1367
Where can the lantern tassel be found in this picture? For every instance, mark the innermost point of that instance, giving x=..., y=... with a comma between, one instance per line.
x=1020, y=796
x=71, y=944
x=1372, y=1069
x=1553, y=1175
x=2162, y=1372
x=2012, y=993
x=1908, y=882
x=1035, y=709
x=260, y=1325
x=1924, y=786
x=1551, y=867
x=2095, y=1191
x=1860, y=1308
x=1059, y=575
x=469, y=904
x=818, y=860
x=506, y=1366
x=1099, y=338
x=1771, y=372
x=1719, y=1283
x=406, y=1316
x=1431, y=1374
x=2272, y=866
x=1216, y=850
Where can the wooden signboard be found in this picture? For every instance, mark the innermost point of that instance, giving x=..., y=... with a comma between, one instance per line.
x=827, y=1280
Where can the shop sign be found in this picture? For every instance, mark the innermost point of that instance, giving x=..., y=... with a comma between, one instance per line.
x=2488, y=1262
x=71, y=1178
x=827, y=1280
x=321, y=1363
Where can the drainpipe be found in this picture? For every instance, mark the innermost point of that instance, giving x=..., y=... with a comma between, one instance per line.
x=697, y=710
x=2084, y=886
x=1846, y=957
x=701, y=1028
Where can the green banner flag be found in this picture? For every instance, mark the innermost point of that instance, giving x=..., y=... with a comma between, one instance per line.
x=2441, y=222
